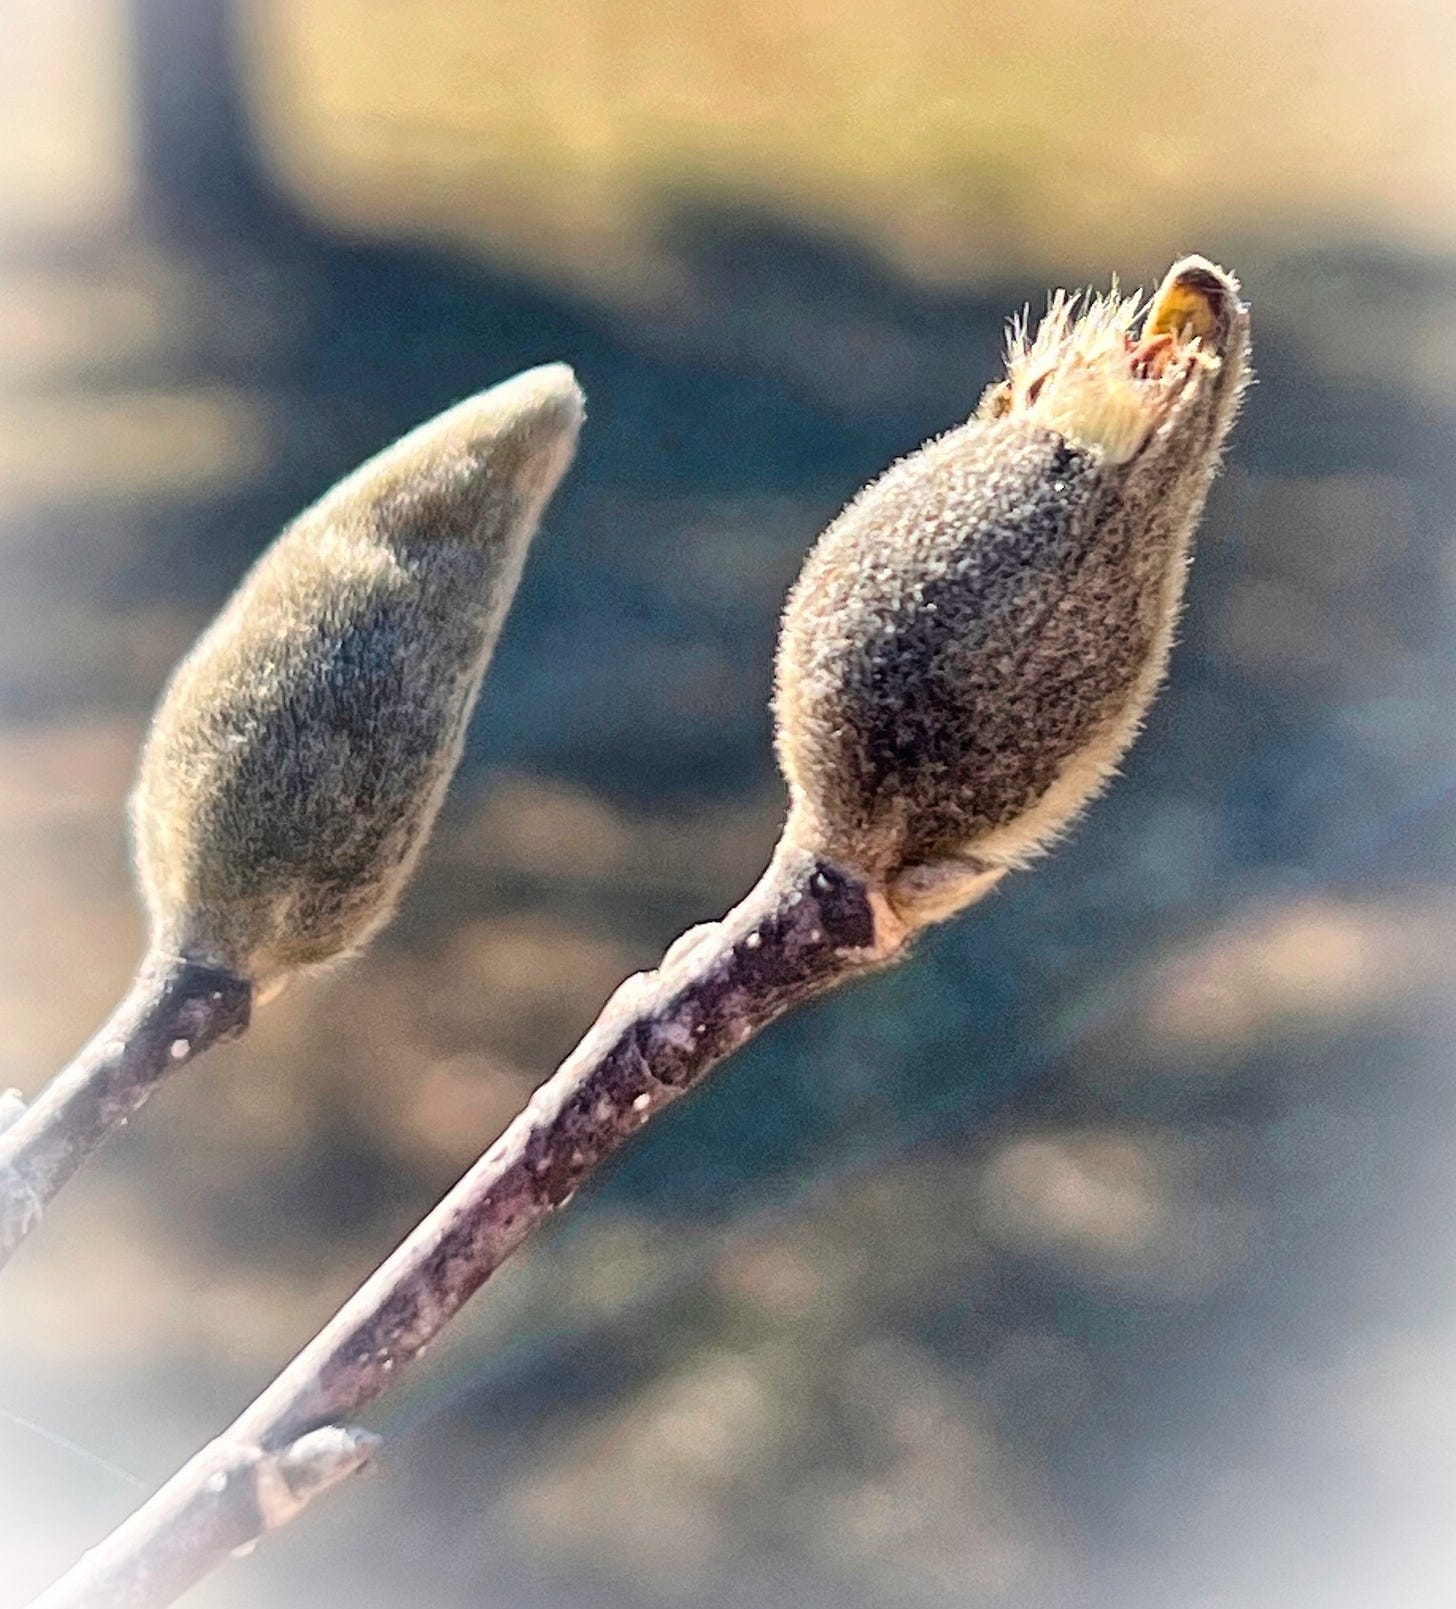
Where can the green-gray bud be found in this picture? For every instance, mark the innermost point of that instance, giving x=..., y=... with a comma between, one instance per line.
x=301, y=750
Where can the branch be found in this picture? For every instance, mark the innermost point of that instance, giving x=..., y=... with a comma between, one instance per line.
x=965, y=656
x=174, y=1012
x=806, y=927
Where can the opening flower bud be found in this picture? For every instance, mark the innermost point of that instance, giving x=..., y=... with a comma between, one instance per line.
x=972, y=644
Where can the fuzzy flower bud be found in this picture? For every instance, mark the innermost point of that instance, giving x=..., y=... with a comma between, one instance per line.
x=301, y=750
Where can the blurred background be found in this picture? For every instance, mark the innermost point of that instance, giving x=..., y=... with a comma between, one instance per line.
x=1102, y=1256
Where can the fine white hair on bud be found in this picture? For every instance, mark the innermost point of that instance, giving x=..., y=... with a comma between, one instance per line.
x=301, y=750
x=972, y=645
x=1073, y=375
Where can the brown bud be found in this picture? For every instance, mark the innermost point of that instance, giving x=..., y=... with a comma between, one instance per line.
x=301, y=750
x=973, y=643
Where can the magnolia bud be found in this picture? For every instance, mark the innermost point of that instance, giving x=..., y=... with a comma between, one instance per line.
x=301, y=750
x=972, y=644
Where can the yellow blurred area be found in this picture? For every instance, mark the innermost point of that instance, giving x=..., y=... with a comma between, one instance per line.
x=953, y=136
x=156, y=443
x=1307, y=966
x=65, y=146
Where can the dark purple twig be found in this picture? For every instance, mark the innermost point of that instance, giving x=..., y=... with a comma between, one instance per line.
x=806, y=927
x=174, y=1012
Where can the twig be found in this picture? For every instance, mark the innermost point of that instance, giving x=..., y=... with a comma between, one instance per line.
x=174, y=1012
x=806, y=927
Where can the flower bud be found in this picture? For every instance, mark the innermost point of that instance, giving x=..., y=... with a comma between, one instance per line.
x=973, y=643
x=301, y=750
